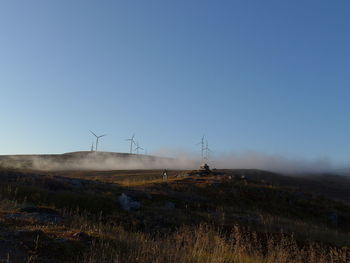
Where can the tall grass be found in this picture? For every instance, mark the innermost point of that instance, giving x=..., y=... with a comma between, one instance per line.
x=204, y=244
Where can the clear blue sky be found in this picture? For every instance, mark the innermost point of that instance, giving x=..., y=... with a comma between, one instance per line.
x=268, y=76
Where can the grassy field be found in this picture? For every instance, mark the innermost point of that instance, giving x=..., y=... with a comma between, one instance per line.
x=227, y=216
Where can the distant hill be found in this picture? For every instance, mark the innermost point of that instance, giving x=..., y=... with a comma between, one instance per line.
x=344, y=171
x=85, y=160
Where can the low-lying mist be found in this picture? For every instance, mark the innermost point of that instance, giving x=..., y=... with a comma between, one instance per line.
x=275, y=163
x=180, y=160
x=254, y=160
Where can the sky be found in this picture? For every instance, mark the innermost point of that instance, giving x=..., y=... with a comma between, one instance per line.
x=265, y=76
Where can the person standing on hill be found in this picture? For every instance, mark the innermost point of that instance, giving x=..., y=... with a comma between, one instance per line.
x=165, y=174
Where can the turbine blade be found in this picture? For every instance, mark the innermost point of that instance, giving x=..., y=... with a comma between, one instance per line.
x=93, y=133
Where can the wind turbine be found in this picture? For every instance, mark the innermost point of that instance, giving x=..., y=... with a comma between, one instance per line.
x=132, y=141
x=202, y=146
x=207, y=150
x=97, y=138
x=92, y=146
x=138, y=148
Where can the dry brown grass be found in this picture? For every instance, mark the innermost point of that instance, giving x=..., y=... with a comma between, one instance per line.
x=204, y=244
x=214, y=219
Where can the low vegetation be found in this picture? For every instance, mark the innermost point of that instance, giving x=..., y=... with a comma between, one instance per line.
x=227, y=216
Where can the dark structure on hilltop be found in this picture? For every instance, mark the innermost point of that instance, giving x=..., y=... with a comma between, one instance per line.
x=204, y=169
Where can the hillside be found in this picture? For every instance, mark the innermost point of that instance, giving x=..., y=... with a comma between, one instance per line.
x=85, y=160
x=136, y=216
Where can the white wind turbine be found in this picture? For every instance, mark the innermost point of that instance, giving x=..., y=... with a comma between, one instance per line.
x=138, y=148
x=132, y=142
x=97, y=138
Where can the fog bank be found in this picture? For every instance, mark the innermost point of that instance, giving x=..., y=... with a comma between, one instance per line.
x=180, y=160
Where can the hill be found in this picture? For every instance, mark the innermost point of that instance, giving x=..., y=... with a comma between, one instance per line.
x=85, y=160
x=136, y=216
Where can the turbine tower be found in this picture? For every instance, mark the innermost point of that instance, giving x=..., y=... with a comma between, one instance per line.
x=202, y=146
x=207, y=150
x=138, y=148
x=97, y=138
x=132, y=142
x=92, y=146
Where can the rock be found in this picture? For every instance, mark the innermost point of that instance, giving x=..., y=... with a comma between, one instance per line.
x=81, y=236
x=169, y=205
x=251, y=219
x=127, y=203
x=36, y=217
x=37, y=214
x=34, y=209
x=334, y=218
x=24, y=233
x=300, y=196
x=200, y=180
x=61, y=240
x=76, y=182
